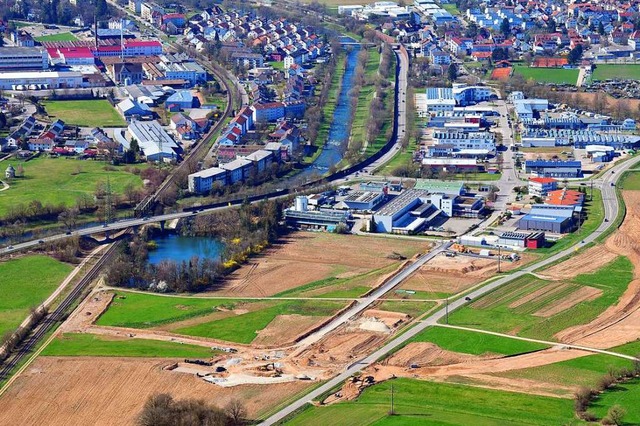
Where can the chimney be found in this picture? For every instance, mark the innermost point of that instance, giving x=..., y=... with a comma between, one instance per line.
x=95, y=29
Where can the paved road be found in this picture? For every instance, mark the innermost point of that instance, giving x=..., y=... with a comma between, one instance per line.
x=611, y=207
x=544, y=342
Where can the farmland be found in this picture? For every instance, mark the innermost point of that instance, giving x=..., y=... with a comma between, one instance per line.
x=630, y=181
x=616, y=72
x=61, y=181
x=417, y=401
x=547, y=75
x=76, y=344
x=25, y=283
x=532, y=307
x=470, y=342
x=87, y=113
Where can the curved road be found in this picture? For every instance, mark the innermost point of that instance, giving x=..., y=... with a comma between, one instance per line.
x=611, y=208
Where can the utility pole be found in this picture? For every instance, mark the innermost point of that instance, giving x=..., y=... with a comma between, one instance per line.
x=392, y=412
x=499, y=258
x=591, y=197
x=446, y=311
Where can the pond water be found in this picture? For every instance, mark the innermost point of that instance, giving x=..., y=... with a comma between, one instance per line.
x=179, y=248
x=340, y=129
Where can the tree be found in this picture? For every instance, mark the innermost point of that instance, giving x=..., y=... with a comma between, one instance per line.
x=236, y=411
x=472, y=30
x=601, y=28
x=452, y=72
x=499, y=54
x=69, y=217
x=575, y=54
x=505, y=27
x=615, y=415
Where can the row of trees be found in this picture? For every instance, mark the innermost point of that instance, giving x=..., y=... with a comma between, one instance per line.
x=381, y=108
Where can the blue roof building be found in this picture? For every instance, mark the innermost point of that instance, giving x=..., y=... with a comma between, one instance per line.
x=556, y=219
x=182, y=99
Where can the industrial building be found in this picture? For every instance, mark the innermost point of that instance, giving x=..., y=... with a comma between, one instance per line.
x=527, y=108
x=553, y=168
x=564, y=197
x=363, y=200
x=556, y=219
x=300, y=216
x=33, y=80
x=434, y=186
x=23, y=58
x=600, y=153
x=530, y=240
x=396, y=214
x=154, y=142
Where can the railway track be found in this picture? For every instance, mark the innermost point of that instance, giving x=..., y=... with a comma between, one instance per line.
x=54, y=317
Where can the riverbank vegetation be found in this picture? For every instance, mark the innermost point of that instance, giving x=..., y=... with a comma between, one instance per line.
x=243, y=231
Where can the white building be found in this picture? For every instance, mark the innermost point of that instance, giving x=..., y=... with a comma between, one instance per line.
x=26, y=80
x=472, y=143
x=23, y=58
x=540, y=186
x=525, y=108
x=154, y=142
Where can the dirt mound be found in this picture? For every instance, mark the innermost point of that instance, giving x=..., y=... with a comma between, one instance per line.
x=419, y=354
x=390, y=319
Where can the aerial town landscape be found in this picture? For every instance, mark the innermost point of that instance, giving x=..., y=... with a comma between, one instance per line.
x=319, y=212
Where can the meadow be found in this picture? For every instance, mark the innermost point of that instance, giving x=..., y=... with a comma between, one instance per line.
x=615, y=72
x=26, y=282
x=56, y=37
x=61, y=180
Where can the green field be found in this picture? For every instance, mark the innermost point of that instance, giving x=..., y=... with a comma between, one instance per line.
x=612, y=71
x=89, y=113
x=244, y=328
x=61, y=180
x=427, y=403
x=56, y=37
x=547, y=75
x=470, y=342
x=26, y=282
x=137, y=310
x=492, y=312
x=630, y=181
x=76, y=344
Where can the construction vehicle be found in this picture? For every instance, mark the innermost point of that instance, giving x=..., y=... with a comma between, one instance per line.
x=459, y=248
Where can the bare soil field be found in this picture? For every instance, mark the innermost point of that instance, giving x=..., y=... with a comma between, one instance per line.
x=455, y=274
x=108, y=391
x=620, y=323
x=286, y=328
x=586, y=262
x=305, y=257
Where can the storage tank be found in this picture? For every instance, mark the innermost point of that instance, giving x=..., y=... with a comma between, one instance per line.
x=301, y=203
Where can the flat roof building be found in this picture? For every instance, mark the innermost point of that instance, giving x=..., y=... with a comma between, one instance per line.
x=23, y=58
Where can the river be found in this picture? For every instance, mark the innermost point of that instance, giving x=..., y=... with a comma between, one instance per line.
x=340, y=128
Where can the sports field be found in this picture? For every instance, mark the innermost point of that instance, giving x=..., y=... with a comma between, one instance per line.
x=547, y=75
x=532, y=307
x=87, y=113
x=25, y=283
x=61, y=180
x=616, y=72
x=429, y=403
x=56, y=37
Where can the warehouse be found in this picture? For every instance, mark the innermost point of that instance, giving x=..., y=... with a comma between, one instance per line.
x=154, y=142
x=42, y=79
x=556, y=219
x=532, y=240
x=363, y=200
x=396, y=213
x=449, y=188
x=553, y=168
x=300, y=216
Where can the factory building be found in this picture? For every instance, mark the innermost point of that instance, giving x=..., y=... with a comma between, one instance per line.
x=556, y=219
x=299, y=216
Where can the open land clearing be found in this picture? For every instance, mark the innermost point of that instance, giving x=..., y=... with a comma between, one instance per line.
x=87, y=113
x=61, y=181
x=26, y=282
x=312, y=264
x=443, y=276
